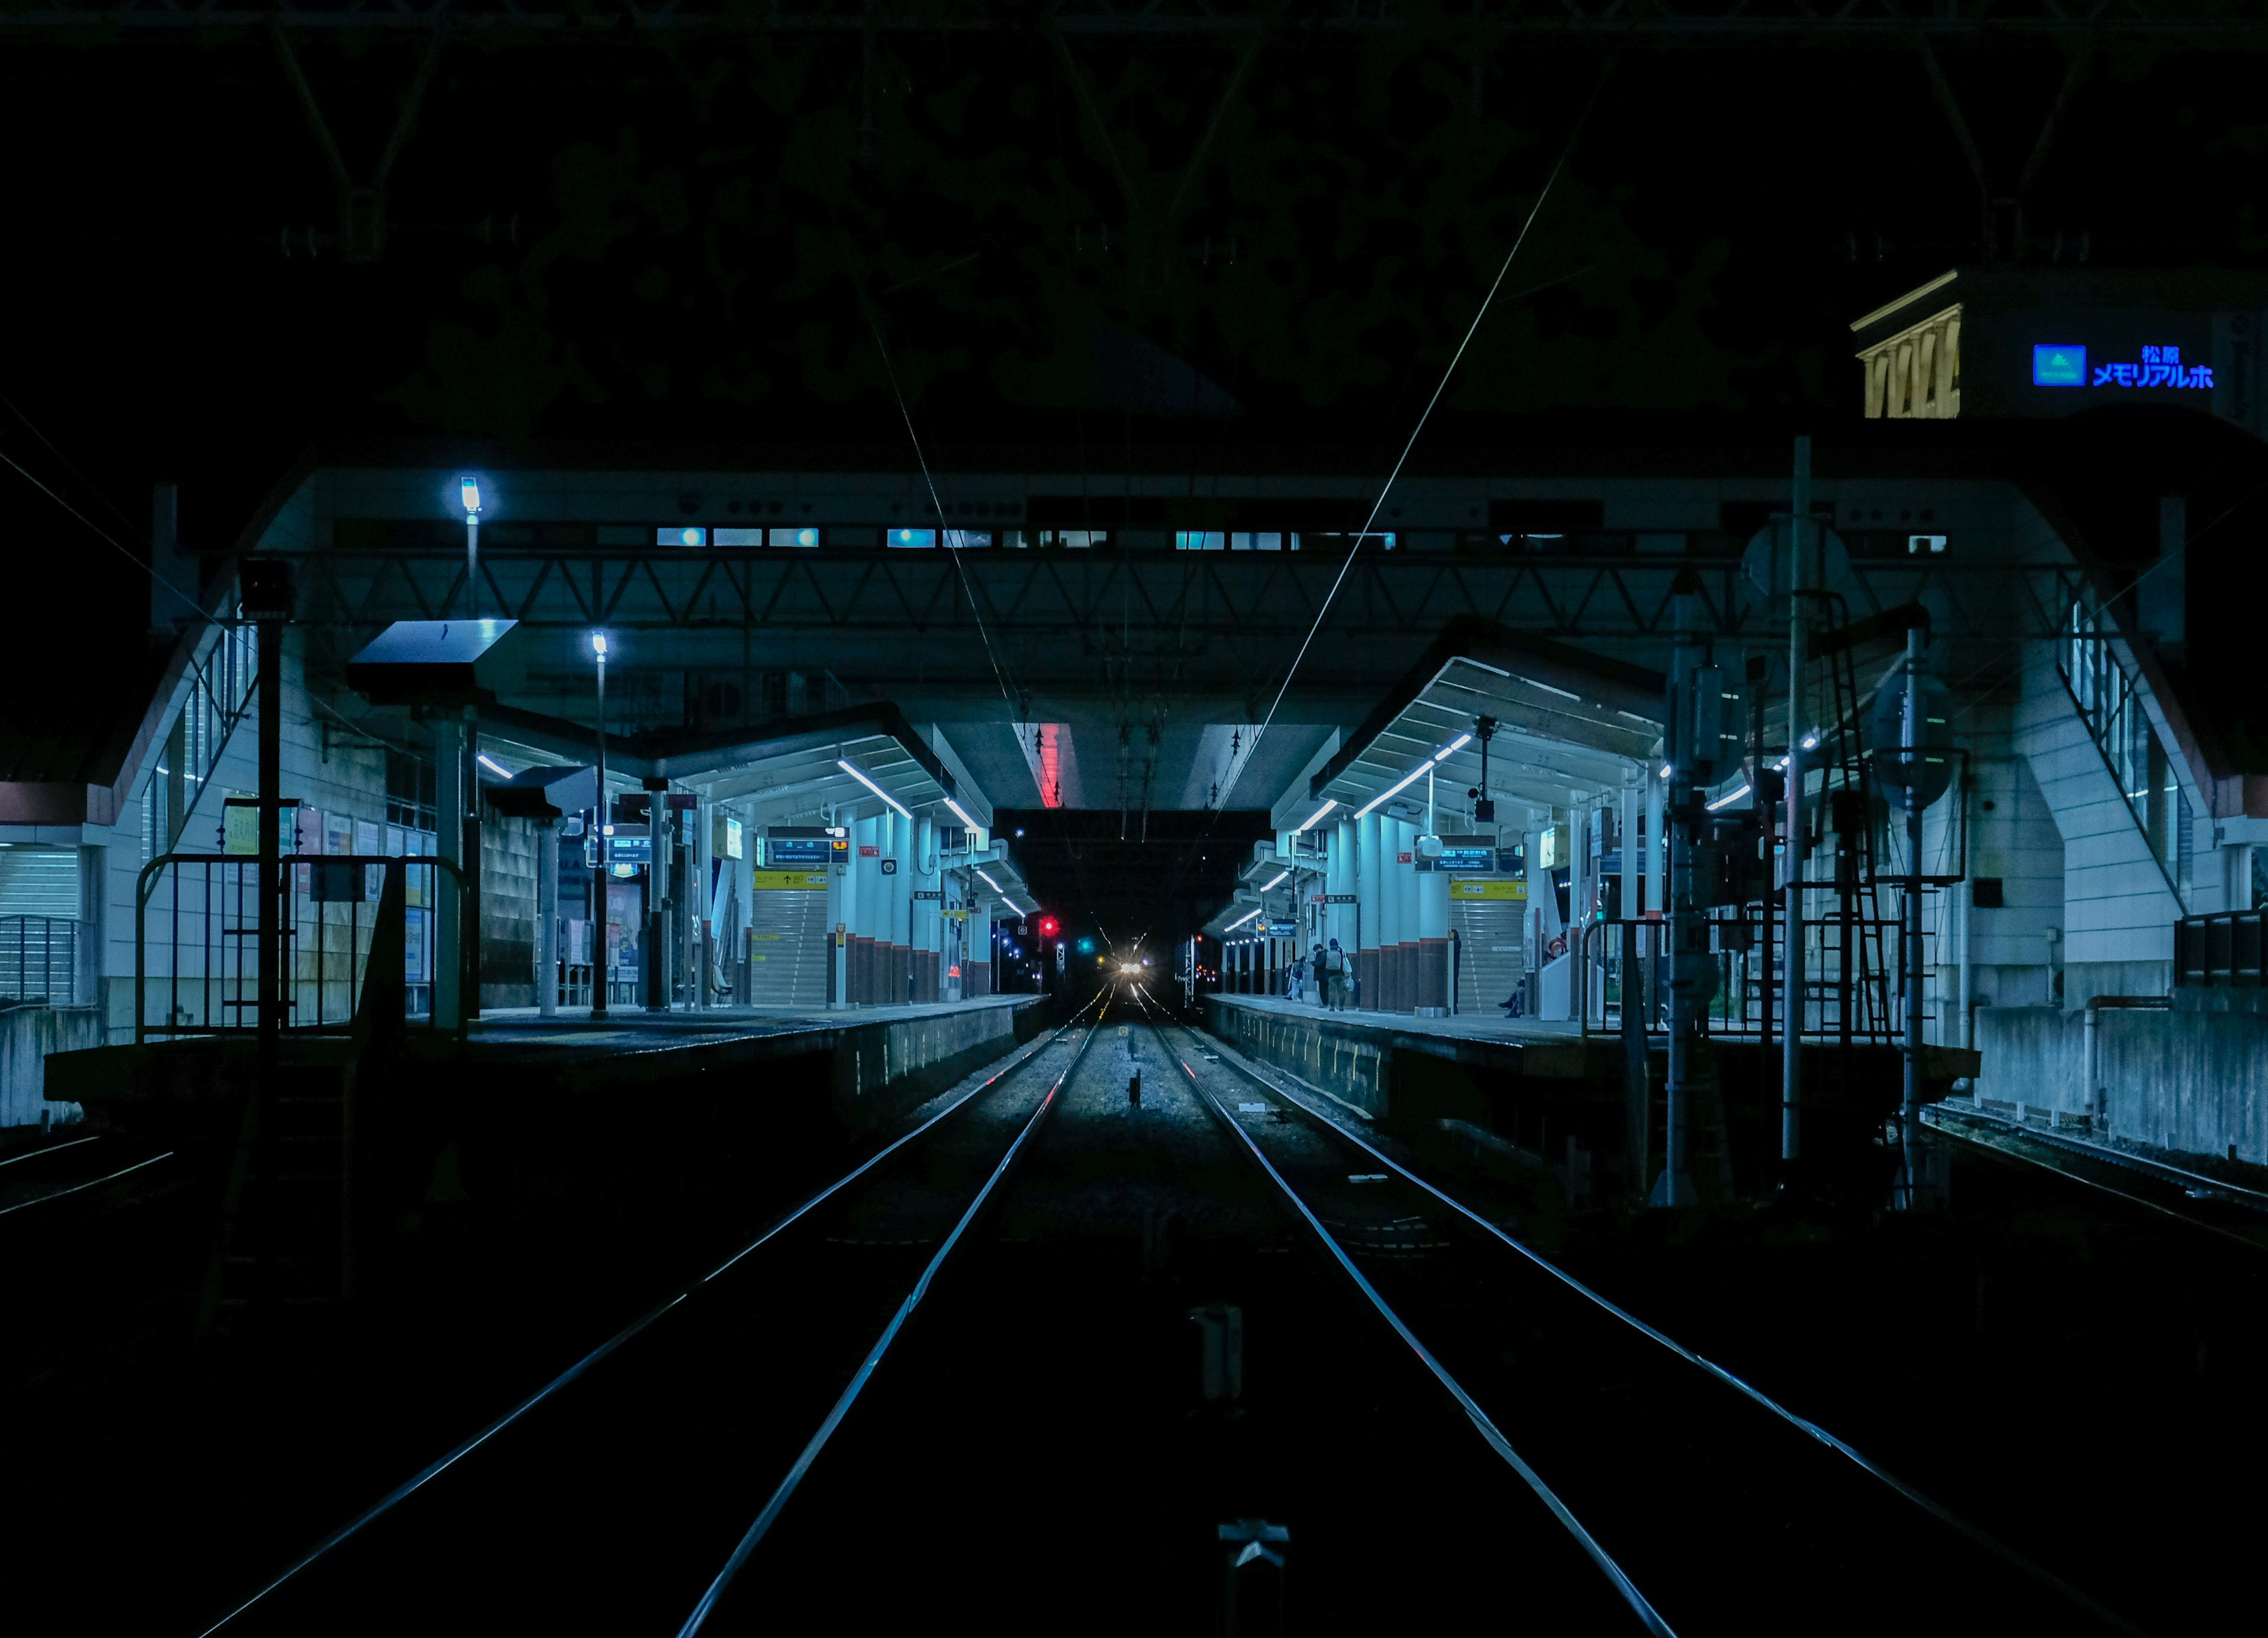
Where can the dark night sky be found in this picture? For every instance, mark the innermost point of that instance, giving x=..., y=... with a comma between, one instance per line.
x=686, y=237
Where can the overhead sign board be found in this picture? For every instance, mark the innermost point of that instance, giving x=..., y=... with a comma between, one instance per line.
x=1489, y=887
x=1464, y=858
x=787, y=846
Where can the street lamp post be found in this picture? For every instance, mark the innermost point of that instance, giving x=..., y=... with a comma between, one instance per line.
x=468, y=490
x=598, y=952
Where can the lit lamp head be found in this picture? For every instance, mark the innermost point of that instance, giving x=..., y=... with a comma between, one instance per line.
x=468, y=491
x=598, y=645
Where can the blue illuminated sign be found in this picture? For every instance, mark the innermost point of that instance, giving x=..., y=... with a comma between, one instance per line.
x=2062, y=364
x=2160, y=366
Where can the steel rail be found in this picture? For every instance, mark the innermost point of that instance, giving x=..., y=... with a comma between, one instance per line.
x=785, y=1491
x=76, y=1188
x=52, y=1149
x=1918, y=1498
x=1934, y=1116
x=1647, y=1615
x=425, y=1476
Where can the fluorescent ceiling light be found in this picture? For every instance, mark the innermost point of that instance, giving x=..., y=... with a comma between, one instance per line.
x=1811, y=741
x=468, y=491
x=1271, y=886
x=598, y=643
x=994, y=886
x=962, y=814
x=1318, y=814
x=492, y=765
x=1728, y=798
x=1665, y=770
x=1446, y=751
x=1410, y=778
x=1241, y=919
x=843, y=764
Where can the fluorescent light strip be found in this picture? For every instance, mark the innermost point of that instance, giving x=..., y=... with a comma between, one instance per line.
x=1278, y=882
x=1728, y=798
x=962, y=814
x=1318, y=814
x=492, y=765
x=994, y=886
x=1410, y=778
x=1241, y=919
x=1407, y=780
x=872, y=786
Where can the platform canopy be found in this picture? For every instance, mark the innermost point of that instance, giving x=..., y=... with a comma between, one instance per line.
x=1569, y=725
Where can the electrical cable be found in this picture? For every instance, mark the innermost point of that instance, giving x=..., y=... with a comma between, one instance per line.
x=1447, y=374
x=99, y=531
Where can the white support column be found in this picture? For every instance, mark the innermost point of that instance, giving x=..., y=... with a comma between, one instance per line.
x=1369, y=904
x=547, y=918
x=449, y=1000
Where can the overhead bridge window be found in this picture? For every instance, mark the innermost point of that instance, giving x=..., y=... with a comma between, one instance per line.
x=742, y=537
x=1234, y=541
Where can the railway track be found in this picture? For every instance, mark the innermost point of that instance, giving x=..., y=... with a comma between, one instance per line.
x=625, y=1495
x=1710, y=1507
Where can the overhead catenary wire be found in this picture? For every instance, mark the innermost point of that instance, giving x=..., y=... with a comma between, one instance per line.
x=1426, y=415
x=1448, y=373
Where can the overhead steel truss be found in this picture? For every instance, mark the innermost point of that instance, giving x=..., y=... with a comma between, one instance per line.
x=1842, y=23
x=1177, y=603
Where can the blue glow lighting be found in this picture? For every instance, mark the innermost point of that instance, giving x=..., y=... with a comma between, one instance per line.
x=468, y=491
x=692, y=536
x=807, y=537
x=913, y=537
x=2160, y=366
x=2066, y=365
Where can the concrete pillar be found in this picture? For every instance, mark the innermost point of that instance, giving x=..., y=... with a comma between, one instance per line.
x=1393, y=928
x=654, y=944
x=1339, y=919
x=1406, y=931
x=1432, y=907
x=1369, y=885
x=901, y=883
x=450, y=1003
x=929, y=918
x=869, y=909
x=547, y=918
x=842, y=898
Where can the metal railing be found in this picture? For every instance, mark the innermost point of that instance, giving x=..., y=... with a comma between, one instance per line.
x=327, y=919
x=1840, y=985
x=39, y=960
x=2228, y=951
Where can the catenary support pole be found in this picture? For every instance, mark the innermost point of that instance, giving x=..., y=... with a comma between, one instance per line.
x=603, y=823
x=1910, y=739
x=1794, y=1010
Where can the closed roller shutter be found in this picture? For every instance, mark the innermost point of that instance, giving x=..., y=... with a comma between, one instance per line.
x=787, y=948
x=39, y=881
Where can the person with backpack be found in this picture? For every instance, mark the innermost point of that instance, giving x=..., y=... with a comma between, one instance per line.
x=1335, y=978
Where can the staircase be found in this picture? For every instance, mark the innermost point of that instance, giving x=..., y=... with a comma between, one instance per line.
x=286, y=1241
x=1488, y=951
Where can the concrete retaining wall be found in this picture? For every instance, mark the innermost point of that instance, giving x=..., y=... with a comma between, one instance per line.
x=1349, y=1063
x=884, y=1068
x=2196, y=1082
x=27, y=1035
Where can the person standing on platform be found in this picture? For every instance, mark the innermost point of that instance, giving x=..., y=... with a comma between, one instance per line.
x=1335, y=978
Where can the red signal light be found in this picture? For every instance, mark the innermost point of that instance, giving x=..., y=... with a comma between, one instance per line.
x=1048, y=925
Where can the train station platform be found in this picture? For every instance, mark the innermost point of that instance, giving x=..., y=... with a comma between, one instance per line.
x=870, y=1063
x=1547, y=1086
